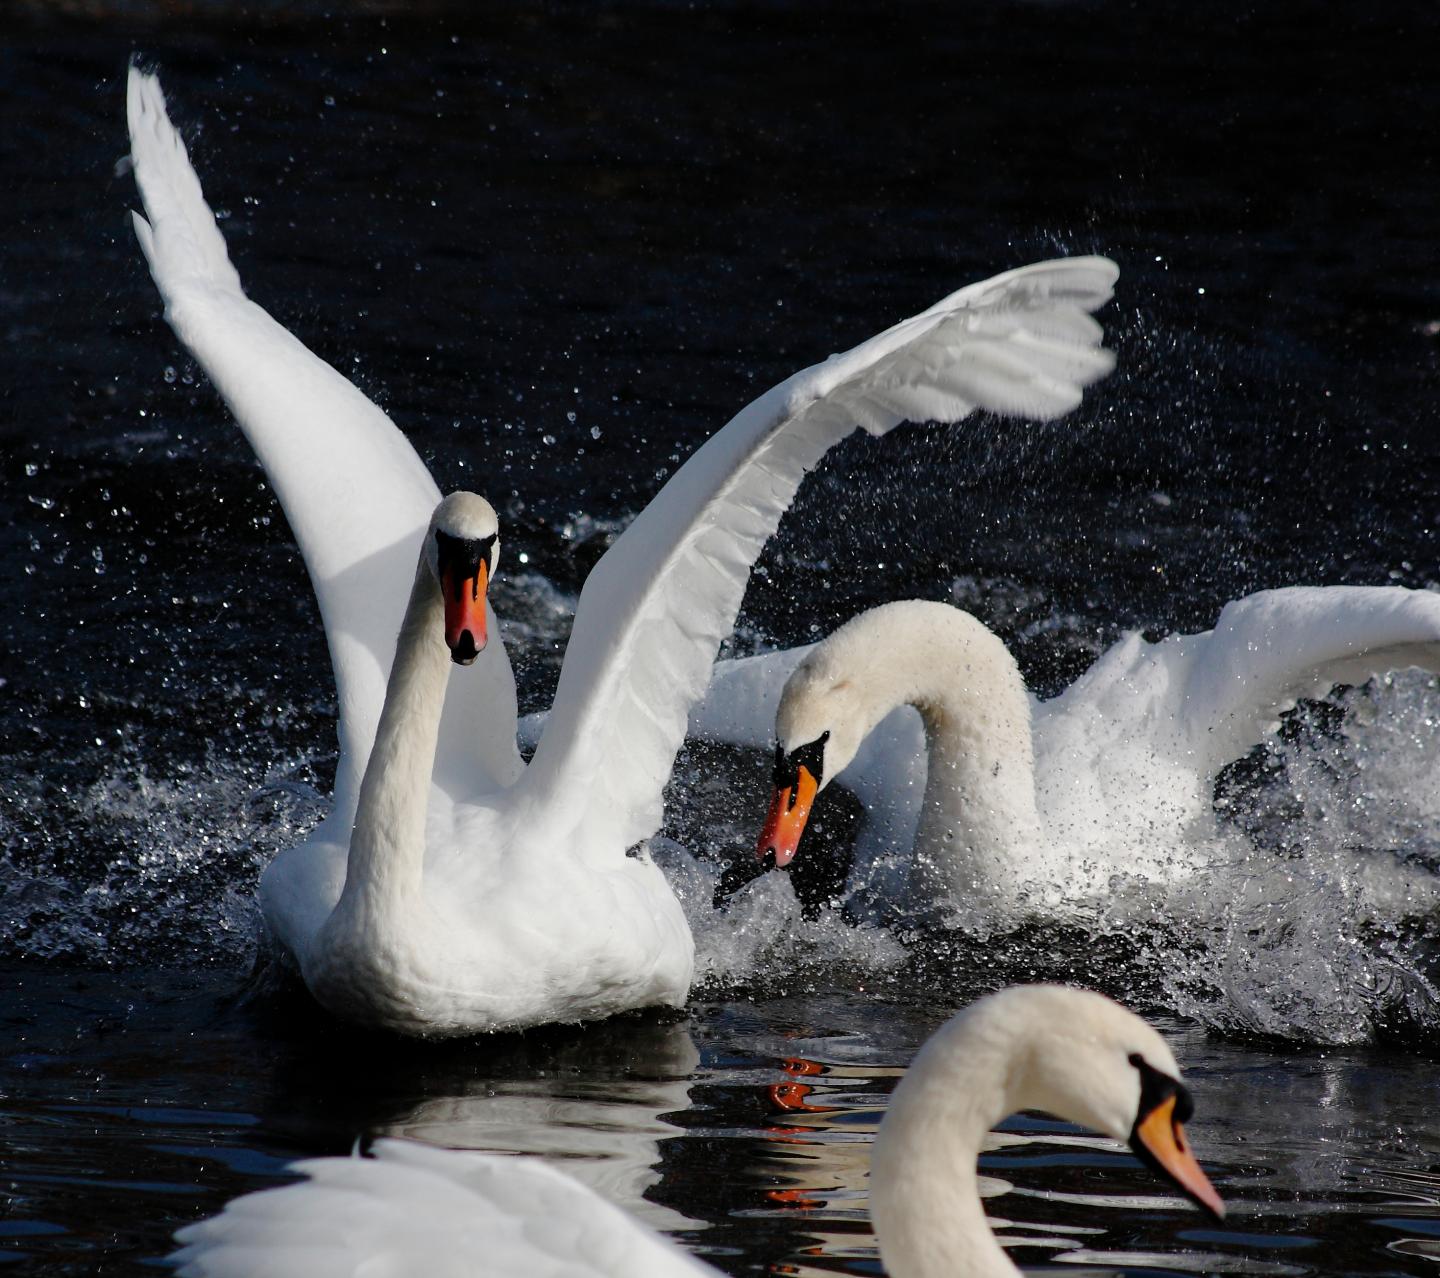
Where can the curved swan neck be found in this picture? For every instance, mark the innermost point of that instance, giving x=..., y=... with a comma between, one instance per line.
x=979, y=811
x=387, y=847
x=924, y=1188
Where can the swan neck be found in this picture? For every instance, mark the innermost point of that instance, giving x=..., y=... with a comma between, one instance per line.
x=924, y=1194
x=387, y=847
x=979, y=817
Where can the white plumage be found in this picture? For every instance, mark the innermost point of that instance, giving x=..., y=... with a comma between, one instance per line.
x=529, y=909
x=414, y=1209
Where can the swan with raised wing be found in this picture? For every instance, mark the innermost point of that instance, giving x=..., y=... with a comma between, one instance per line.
x=454, y=889
x=1014, y=805
x=417, y=1209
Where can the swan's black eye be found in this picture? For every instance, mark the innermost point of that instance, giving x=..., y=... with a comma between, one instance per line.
x=810, y=756
x=1156, y=1088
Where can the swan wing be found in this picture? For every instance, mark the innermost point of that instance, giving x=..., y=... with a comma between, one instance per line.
x=417, y=1209
x=656, y=606
x=357, y=496
x=1269, y=650
x=1204, y=700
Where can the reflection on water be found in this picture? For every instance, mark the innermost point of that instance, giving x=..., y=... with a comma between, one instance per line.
x=744, y=1129
x=604, y=1131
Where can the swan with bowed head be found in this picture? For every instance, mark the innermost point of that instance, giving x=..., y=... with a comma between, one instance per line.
x=1013, y=806
x=453, y=888
x=416, y=1209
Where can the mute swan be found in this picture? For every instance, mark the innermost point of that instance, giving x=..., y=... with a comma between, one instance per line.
x=417, y=1209
x=1027, y=804
x=524, y=894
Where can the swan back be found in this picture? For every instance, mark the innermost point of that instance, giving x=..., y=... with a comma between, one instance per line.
x=414, y=1209
x=1127, y=756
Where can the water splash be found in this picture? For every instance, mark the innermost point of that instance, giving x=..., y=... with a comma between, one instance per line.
x=134, y=868
x=1317, y=920
x=1324, y=924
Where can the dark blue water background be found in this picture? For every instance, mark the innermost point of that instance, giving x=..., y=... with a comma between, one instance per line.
x=560, y=246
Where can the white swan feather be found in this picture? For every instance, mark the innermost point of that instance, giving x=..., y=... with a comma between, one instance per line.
x=530, y=909
x=414, y=1209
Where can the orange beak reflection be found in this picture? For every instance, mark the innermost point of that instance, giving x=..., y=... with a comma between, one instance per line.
x=465, y=612
x=789, y=810
x=1160, y=1141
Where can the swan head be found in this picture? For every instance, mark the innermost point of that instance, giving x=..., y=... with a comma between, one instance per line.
x=1068, y=1052
x=1087, y=1059
x=825, y=714
x=462, y=548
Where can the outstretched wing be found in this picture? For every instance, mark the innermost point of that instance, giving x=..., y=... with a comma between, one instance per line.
x=357, y=496
x=1204, y=700
x=658, y=603
x=416, y=1209
x=1272, y=648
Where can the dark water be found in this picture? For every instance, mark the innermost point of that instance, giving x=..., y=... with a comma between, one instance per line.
x=561, y=246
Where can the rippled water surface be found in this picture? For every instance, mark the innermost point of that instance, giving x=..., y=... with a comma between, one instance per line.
x=136, y=1103
x=560, y=247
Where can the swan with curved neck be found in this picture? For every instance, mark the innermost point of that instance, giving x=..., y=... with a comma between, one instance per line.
x=1069, y=1052
x=454, y=888
x=978, y=817
x=1029, y=804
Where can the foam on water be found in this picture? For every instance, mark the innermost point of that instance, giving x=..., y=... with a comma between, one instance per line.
x=765, y=938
